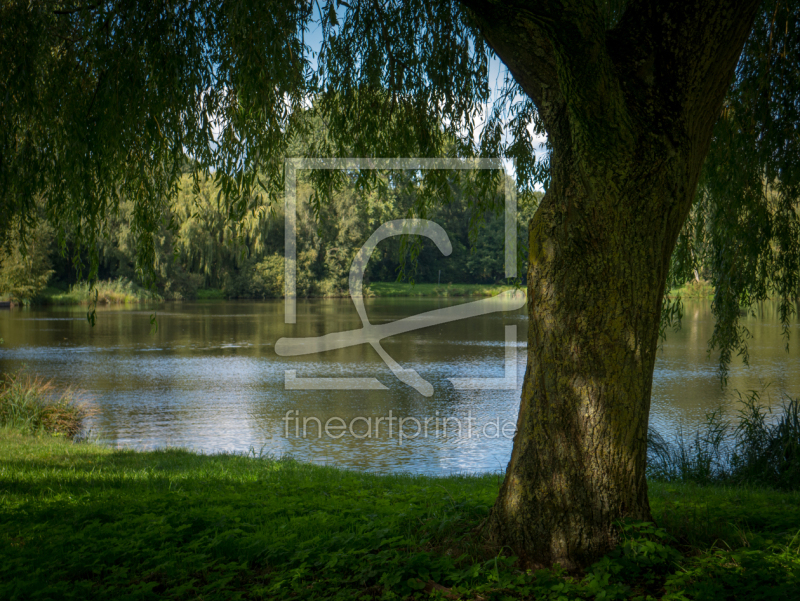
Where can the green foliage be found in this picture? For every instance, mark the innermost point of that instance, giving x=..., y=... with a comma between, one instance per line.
x=767, y=453
x=81, y=521
x=203, y=249
x=744, y=230
x=694, y=289
x=210, y=294
x=645, y=548
x=25, y=265
x=102, y=101
x=444, y=290
x=743, y=540
x=101, y=104
x=264, y=279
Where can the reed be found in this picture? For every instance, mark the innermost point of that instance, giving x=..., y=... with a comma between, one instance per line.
x=760, y=447
x=30, y=405
x=112, y=292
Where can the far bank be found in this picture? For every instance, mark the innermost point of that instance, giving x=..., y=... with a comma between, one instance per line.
x=125, y=292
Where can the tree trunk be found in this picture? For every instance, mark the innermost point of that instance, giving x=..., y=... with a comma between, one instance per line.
x=629, y=112
x=595, y=286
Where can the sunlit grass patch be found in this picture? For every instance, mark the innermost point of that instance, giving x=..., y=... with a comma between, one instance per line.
x=402, y=289
x=694, y=289
x=119, y=291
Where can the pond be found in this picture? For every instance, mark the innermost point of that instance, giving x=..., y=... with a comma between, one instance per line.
x=209, y=378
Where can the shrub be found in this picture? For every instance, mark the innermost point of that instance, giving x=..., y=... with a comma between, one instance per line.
x=265, y=279
x=180, y=285
x=25, y=268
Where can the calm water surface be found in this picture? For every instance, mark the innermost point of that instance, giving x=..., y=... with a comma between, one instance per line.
x=209, y=378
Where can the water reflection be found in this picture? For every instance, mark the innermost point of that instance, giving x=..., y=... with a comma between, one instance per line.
x=209, y=378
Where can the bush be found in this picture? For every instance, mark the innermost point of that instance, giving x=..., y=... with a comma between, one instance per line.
x=210, y=294
x=180, y=285
x=265, y=279
x=25, y=269
x=260, y=280
x=30, y=405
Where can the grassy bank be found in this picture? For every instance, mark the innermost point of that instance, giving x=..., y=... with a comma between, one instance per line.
x=385, y=289
x=80, y=521
x=397, y=289
x=126, y=292
x=694, y=289
x=112, y=292
x=83, y=521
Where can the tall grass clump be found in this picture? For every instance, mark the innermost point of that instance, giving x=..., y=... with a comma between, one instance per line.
x=767, y=451
x=111, y=292
x=702, y=457
x=31, y=405
x=761, y=448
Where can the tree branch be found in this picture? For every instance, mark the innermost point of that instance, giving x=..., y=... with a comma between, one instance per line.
x=524, y=48
x=667, y=63
x=677, y=58
x=556, y=51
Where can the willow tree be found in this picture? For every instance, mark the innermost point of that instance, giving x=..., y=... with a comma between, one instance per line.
x=102, y=100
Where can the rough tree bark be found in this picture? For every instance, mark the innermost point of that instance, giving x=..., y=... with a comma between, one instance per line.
x=629, y=113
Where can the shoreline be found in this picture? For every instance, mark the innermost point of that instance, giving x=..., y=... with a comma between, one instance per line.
x=134, y=296
x=125, y=292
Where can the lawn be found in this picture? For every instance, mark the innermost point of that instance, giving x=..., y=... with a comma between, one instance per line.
x=81, y=521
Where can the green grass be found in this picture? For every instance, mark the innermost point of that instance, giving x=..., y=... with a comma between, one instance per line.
x=447, y=290
x=120, y=291
x=81, y=521
x=210, y=294
x=694, y=289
